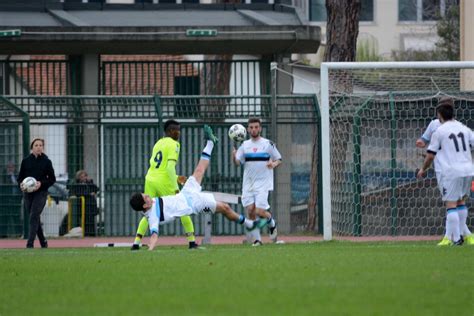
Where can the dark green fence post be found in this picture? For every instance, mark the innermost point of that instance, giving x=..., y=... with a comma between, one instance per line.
x=26, y=151
x=357, y=169
x=393, y=165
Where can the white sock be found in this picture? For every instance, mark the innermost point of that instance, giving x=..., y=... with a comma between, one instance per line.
x=248, y=236
x=452, y=226
x=248, y=223
x=271, y=223
x=209, y=147
x=256, y=234
x=462, y=213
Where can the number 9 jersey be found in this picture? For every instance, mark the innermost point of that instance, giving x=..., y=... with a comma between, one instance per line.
x=161, y=178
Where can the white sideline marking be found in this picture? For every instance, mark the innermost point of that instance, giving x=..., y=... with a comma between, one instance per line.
x=113, y=244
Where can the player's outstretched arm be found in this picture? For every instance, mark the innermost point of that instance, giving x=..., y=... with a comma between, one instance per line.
x=234, y=156
x=427, y=163
x=420, y=143
x=153, y=241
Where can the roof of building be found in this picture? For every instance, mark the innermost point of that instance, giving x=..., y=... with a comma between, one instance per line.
x=52, y=27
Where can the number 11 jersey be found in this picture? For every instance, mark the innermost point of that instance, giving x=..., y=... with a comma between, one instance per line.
x=451, y=143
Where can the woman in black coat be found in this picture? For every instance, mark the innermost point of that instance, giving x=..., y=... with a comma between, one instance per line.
x=38, y=166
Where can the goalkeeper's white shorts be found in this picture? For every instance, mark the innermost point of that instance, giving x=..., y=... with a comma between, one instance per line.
x=454, y=189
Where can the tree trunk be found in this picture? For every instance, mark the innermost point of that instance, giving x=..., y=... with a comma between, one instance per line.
x=216, y=82
x=341, y=43
x=313, y=194
x=342, y=29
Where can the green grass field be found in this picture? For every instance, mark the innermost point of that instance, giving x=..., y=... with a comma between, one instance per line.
x=335, y=278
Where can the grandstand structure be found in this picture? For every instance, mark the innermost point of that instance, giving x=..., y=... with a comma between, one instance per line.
x=97, y=80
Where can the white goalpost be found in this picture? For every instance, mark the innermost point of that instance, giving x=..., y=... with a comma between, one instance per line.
x=371, y=115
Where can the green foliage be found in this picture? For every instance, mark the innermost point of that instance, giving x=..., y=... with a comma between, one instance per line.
x=417, y=55
x=447, y=48
x=335, y=278
x=367, y=51
x=449, y=32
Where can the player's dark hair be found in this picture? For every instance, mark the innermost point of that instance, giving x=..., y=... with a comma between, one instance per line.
x=35, y=140
x=255, y=120
x=446, y=111
x=137, y=202
x=169, y=124
x=446, y=100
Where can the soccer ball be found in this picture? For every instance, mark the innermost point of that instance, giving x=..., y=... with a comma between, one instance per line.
x=237, y=133
x=29, y=184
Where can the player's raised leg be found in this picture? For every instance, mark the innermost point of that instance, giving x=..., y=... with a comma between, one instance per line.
x=203, y=163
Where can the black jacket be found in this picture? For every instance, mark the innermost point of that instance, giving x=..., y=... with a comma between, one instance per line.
x=39, y=168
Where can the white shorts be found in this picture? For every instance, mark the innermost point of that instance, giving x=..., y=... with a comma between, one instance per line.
x=189, y=201
x=260, y=199
x=199, y=201
x=454, y=189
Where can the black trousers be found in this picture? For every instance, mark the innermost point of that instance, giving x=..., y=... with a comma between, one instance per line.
x=34, y=204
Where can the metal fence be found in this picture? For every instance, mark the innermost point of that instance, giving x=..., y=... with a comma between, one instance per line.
x=183, y=77
x=136, y=75
x=112, y=137
x=24, y=76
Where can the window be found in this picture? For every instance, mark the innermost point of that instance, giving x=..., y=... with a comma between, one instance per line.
x=367, y=11
x=317, y=11
x=423, y=10
x=186, y=85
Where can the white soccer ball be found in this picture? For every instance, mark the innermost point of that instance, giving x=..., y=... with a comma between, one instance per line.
x=237, y=132
x=29, y=184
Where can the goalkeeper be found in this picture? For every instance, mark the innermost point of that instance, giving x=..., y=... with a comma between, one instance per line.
x=161, y=179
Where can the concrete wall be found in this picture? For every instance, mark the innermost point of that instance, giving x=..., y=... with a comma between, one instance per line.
x=467, y=42
x=386, y=33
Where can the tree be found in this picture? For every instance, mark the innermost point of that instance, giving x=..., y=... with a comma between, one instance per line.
x=342, y=30
x=449, y=30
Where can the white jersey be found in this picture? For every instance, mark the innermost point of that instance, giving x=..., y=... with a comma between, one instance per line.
x=432, y=127
x=189, y=201
x=254, y=155
x=451, y=143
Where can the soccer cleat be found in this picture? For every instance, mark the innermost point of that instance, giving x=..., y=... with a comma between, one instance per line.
x=445, y=242
x=135, y=247
x=196, y=246
x=469, y=240
x=459, y=242
x=209, y=134
x=257, y=243
x=44, y=244
x=273, y=233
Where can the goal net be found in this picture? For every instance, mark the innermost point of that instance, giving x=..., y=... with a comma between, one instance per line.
x=372, y=115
